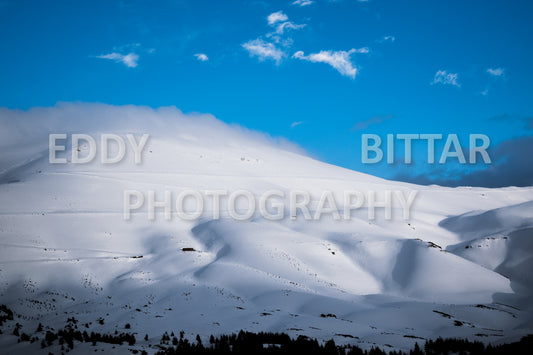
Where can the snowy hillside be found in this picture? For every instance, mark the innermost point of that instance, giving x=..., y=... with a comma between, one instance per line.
x=459, y=266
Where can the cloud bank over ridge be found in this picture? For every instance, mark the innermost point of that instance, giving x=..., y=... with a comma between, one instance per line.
x=24, y=133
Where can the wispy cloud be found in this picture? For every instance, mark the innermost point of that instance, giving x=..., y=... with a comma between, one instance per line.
x=297, y=123
x=374, y=120
x=303, y=2
x=388, y=38
x=280, y=28
x=340, y=60
x=267, y=49
x=495, y=74
x=445, y=78
x=280, y=22
x=201, y=57
x=24, y=133
x=129, y=60
x=278, y=39
x=276, y=17
x=263, y=50
x=499, y=72
x=363, y=50
x=526, y=120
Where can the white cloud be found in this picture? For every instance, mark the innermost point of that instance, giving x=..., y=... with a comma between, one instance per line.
x=303, y=2
x=362, y=50
x=201, y=57
x=130, y=60
x=287, y=25
x=445, y=78
x=388, y=39
x=371, y=121
x=264, y=50
x=496, y=72
x=276, y=17
x=24, y=133
x=340, y=60
x=281, y=22
x=268, y=49
x=297, y=123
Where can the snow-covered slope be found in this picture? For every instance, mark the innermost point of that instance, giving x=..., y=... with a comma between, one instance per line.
x=460, y=266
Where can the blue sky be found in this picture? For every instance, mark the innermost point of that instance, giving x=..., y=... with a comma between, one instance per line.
x=320, y=73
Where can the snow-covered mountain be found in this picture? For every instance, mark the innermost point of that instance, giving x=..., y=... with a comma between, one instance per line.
x=459, y=266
